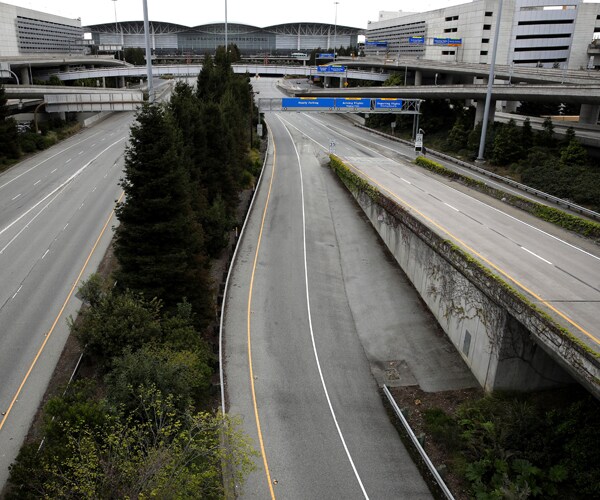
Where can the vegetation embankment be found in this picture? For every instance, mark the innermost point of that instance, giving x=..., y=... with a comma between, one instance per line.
x=560, y=167
x=143, y=424
x=556, y=216
x=510, y=445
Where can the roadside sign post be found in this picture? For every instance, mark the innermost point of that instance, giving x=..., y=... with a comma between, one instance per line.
x=419, y=143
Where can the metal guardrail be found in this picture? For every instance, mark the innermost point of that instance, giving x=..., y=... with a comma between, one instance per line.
x=505, y=180
x=436, y=475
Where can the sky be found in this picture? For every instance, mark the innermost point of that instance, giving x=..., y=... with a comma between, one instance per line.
x=261, y=13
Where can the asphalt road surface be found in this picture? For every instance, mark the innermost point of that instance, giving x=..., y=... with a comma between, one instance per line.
x=55, y=224
x=302, y=324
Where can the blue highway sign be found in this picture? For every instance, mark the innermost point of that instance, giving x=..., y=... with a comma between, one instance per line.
x=417, y=39
x=307, y=103
x=388, y=103
x=325, y=56
x=352, y=102
x=331, y=69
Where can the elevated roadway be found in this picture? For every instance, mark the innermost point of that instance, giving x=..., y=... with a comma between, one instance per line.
x=460, y=70
x=576, y=94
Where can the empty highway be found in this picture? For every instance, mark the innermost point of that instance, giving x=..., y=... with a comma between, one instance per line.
x=55, y=224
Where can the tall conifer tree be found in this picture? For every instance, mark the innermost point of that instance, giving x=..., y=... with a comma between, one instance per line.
x=159, y=242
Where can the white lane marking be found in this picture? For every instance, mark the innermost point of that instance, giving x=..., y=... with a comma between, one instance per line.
x=45, y=253
x=80, y=206
x=92, y=145
x=312, y=334
x=44, y=161
x=453, y=208
x=66, y=226
x=473, y=199
x=408, y=182
x=68, y=160
x=17, y=291
x=26, y=226
x=95, y=187
x=36, y=183
x=536, y=255
x=53, y=170
x=73, y=176
x=80, y=153
x=18, y=196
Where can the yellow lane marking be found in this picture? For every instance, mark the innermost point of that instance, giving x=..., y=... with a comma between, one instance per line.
x=62, y=309
x=488, y=262
x=262, y=225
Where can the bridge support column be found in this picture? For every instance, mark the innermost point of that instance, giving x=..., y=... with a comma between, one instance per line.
x=510, y=106
x=103, y=82
x=479, y=109
x=418, y=77
x=327, y=82
x=121, y=82
x=343, y=81
x=25, y=76
x=588, y=114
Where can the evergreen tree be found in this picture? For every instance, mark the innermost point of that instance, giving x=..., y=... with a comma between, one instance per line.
x=545, y=137
x=507, y=144
x=527, y=135
x=159, y=242
x=574, y=154
x=458, y=136
x=9, y=140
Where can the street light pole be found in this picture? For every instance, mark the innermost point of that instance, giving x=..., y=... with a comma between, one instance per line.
x=226, y=41
x=116, y=29
x=148, y=53
x=488, y=96
x=335, y=32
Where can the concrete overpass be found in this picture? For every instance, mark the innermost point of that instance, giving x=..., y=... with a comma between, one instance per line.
x=192, y=70
x=586, y=95
x=78, y=99
x=457, y=72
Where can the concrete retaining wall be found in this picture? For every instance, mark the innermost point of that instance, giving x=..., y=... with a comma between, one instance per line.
x=507, y=344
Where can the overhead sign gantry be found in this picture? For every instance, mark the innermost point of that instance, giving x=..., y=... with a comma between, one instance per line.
x=342, y=105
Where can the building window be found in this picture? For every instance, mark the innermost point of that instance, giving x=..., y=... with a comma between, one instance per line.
x=533, y=37
x=452, y=18
x=448, y=52
x=489, y=13
x=450, y=30
x=548, y=21
x=483, y=53
x=486, y=40
x=487, y=26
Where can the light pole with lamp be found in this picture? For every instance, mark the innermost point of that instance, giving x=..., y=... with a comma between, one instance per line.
x=226, y=28
x=116, y=29
x=148, y=53
x=335, y=32
x=488, y=97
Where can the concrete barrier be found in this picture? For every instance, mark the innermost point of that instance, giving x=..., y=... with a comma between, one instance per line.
x=507, y=342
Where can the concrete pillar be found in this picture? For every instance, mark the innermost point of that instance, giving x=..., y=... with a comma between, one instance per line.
x=418, y=78
x=510, y=106
x=343, y=81
x=480, y=107
x=24, y=78
x=103, y=82
x=588, y=114
x=327, y=82
x=121, y=82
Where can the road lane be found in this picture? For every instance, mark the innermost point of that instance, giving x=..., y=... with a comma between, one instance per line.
x=325, y=431
x=44, y=252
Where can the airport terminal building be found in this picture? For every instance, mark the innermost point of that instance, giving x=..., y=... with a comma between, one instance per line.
x=25, y=32
x=542, y=33
x=168, y=38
